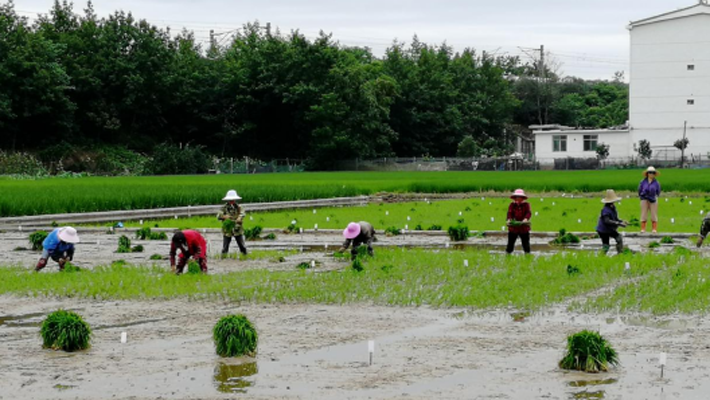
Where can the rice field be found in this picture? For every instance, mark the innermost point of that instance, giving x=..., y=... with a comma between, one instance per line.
x=86, y=194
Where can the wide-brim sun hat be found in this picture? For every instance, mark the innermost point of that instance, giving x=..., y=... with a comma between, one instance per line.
x=651, y=169
x=68, y=235
x=611, y=197
x=352, y=230
x=519, y=193
x=231, y=195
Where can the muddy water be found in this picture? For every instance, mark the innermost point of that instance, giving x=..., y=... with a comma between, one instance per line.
x=320, y=352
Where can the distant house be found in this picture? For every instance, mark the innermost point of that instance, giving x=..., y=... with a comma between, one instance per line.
x=669, y=84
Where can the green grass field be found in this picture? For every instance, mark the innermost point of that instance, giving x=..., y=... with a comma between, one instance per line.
x=662, y=283
x=61, y=195
x=553, y=215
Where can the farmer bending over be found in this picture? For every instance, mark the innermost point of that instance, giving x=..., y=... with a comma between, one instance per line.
x=59, y=245
x=518, y=222
x=704, y=229
x=191, y=244
x=609, y=222
x=356, y=234
x=232, y=215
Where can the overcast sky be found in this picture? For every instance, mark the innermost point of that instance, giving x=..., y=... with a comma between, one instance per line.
x=589, y=38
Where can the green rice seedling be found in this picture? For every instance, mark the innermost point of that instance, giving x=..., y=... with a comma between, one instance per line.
x=253, y=233
x=564, y=237
x=36, y=239
x=392, y=231
x=434, y=227
x=228, y=225
x=635, y=222
x=158, y=236
x=292, y=228
x=418, y=227
x=65, y=330
x=193, y=268
x=137, y=248
x=667, y=240
x=682, y=251
x=54, y=224
x=588, y=351
x=20, y=248
x=124, y=244
x=235, y=336
x=303, y=266
x=573, y=270
x=357, y=265
x=156, y=257
x=270, y=236
x=143, y=233
x=70, y=268
x=459, y=233
x=386, y=268
x=654, y=245
x=362, y=252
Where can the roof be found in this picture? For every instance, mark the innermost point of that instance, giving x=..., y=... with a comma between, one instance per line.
x=580, y=131
x=702, y=8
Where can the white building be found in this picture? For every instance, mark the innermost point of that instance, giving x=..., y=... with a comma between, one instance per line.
x=669, y=85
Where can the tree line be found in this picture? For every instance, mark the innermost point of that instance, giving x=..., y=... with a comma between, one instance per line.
x=74, y=80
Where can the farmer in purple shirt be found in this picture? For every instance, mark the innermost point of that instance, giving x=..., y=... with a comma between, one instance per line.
x=649, y=190
x=609, y=222
x=59, y=245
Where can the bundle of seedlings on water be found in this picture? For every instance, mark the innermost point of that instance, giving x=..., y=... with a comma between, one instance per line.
x=65, y=330
x=235, y=336
x=418, y=227
x=304, y=265
x=270, y=236
x=293, y=228
x=36, y=239
x=682, y=251
x=392, y=231
x=434, y=227
x=573, y=270
x=565, y=237
x=253, y=233
x=667, y=240
x=588, y=351
x=654, y=245
x=156, y=257
x=124, y=244
x=137, y=248
x=193, y=268
x=357, y=265
x=70, y=268
x=363, y=252
x=387, y=268
x=459, y=233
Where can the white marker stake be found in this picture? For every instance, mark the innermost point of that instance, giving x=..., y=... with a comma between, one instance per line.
x=204, y=230
x=315, y=227
x=314, y=211
x=406, y=228
x=446, y=245
x=493, y=219
x=502, y=228
x=536, y=213
x=408, y=218
x=313, y=264
x=293, y=222
x=662, y=361
x=627, y=267
x=327, y=219
x=124, y=337
x=176, y=217
x=371, y=349
x=465, y=263
x=460, y=213
x=141, y=222
x=20, y=228
x=553, y=203
x=579, y=221
x=690, y=203
x=326, y=247
x=483, y=199
x=672, y=220
x=251, y=218
x=387, y=213
x=300, y=230
x=666, y=200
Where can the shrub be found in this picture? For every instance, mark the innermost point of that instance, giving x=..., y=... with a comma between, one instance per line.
x=253, y=233
x=392, y=231
x=235, y=336
x=459, y=233
x=65, y=330
x=124, y=244
x=589, y=352
x=36, y=239
x=565, y=237
x=434, y=227
x=20, y=164
x=667, y=240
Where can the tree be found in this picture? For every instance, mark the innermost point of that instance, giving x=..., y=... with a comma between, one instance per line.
x=644, y=149
x=468, y=148
x=682, y=144
x=602, y=151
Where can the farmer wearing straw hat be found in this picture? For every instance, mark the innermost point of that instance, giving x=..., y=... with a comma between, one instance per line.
x=704, y=229
x=518, y=221
x=649, y=190
x=609, y=222
x=232, y=217
x=59, y=245
x=191, y=244
x=356, y=234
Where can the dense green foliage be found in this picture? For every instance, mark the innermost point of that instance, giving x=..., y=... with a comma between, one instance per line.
x=65, y=330
x=589, y=352
x=235, y=336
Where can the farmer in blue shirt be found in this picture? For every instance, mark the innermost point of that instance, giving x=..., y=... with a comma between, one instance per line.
x=649, y=190
x=59, y=245
x=609, y=222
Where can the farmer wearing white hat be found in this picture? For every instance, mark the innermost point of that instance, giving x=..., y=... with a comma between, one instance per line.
x=649, y=190
x=609, y=222
x=59, y=245
x=232, y=217
x=518, y=221
x=357, y=234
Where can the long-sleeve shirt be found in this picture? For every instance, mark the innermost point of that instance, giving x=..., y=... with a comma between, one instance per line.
x=56, y=247
x=649, y=190
x=705, y=226
x=233, y=212
x=519, y=212
x=196, y=246
x=609, y=220
x=366, y=236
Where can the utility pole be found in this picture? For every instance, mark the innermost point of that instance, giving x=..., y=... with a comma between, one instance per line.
x=212, y=39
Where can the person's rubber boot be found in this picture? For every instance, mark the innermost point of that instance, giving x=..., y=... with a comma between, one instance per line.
x=654, y=224
x=619, y=248
x=41, y=264
x=700, y=241
x=605, y=248
x=643, y=227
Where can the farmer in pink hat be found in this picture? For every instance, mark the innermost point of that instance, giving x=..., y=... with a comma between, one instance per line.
x=356, y=234
x=518, y=221
x=59, y=245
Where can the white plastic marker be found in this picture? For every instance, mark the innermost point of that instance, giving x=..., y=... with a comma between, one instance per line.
x=446, y=245
x=406, y=228
x=326, y=247
x=460, y=213
x=536, y=213
x=409, y=218
x=314, y=211
x=579, y=221
x=204, y=230
x=315, y=227
x=293, y=222
x=313, y=264
x=541, y=199
x=662, y=361
x=502, y=228
x=251, y=218
x=553, y=203
x=666, y=200
x=300, y=230
x=627, y=267
x=672, y=220
x=483, y=199
x=690, y=203
x=124, y=337
x=176, y=217
x=465, y=263
x=493, y=219
x=387, y=213
x=141, y=222
x=327, y=219
x=490, y=204
x=110, y=229
x=20, y=228
x=371, y=349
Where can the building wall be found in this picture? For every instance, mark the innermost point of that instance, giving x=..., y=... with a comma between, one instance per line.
x=618, y=142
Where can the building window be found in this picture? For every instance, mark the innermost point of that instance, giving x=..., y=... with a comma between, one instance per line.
x=691, y=67
x=590, y=142
x=691, y=102
x=559, y=143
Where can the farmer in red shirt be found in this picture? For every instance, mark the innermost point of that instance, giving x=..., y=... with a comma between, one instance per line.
x=191, y=244
x=518, y=221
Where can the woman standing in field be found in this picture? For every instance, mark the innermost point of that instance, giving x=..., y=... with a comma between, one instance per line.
x=518, y=222
x=609, y=222
x=649, y=190
x=232, y=217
